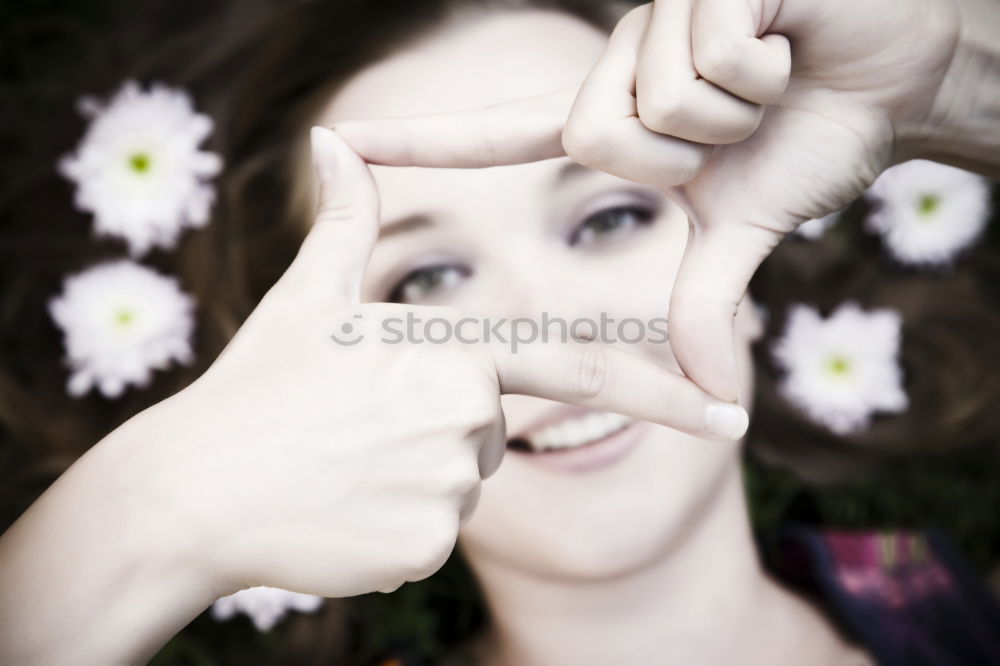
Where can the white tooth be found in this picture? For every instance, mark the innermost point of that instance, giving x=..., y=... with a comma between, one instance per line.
x=600, y=426
x=543, y=437
x=584, y=429
x=621, y=422
x=607, y=421
x=571, y=434
x=576, y=432
x=597, y=426
x=560, y=435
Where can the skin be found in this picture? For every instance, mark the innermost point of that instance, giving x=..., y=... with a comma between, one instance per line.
x=235, y=482
x=790, y=107
x=295, y=461
x=655, y=545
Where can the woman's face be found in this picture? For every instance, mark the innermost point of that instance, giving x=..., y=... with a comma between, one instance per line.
x=552, y=237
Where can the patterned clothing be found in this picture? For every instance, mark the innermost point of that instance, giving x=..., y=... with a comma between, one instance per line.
x=908, y=597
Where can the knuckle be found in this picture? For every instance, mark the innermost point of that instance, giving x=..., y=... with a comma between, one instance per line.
x=585, y=142
x=469, y=506
x=466, y=485
x=333, y=213
x=462, y=476
x=390, y=585
x=717, y=60
x=688, y=166
x=479, y=413
x=436, y=542
x=661, y=109
x=589, y=372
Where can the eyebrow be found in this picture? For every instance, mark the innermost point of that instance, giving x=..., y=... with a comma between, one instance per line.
x=418, y=221
x=571, y=170
x=405, y=224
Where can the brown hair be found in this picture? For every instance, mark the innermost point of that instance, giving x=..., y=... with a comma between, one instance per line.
x=949, y=350
x=263, y=70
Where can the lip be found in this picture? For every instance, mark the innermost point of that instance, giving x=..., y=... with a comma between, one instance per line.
x=589, y=457
x=551, y=417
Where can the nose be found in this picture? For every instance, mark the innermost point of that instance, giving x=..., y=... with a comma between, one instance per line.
x=574, y=297
x=537, y=283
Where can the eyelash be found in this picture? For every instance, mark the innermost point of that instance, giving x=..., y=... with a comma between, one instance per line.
x=397, y=293
x=642, y=216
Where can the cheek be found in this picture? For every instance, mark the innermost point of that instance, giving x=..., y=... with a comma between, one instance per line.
x=631, y=278
x=639, y=278
x=545, y=523
x=643, y=507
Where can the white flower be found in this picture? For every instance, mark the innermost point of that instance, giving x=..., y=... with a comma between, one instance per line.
x=928, y=212
x=120, y=321
x=265, y=605
x=138, y=168
x=841, y=369
x=813, y=229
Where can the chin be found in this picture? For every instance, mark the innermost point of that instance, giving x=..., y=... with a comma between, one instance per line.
x=600, y=522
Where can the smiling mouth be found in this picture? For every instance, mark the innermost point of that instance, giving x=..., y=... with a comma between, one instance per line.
x=571, y=433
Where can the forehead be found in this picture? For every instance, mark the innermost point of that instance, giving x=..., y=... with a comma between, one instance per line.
x=473, y=61
x=470, y=62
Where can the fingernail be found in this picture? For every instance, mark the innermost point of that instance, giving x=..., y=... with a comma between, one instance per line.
x=726, y=420
x=324, y=151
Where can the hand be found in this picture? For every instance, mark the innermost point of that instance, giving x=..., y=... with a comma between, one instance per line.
x=342, y=469
x=294, y=461
x=707, y=100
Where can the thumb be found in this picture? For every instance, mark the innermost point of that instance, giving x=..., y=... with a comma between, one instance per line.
x=331, y=261
x=711, y=281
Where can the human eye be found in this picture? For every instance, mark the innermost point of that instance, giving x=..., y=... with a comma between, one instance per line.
x=427, y=283
x=611, y=224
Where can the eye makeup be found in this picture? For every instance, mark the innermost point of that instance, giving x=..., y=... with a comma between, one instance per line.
x=612, y=215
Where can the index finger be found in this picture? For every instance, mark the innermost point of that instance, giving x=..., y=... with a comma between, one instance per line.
x=523, y=130
x=605, y=377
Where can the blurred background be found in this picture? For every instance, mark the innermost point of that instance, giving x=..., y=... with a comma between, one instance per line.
x=938, y=465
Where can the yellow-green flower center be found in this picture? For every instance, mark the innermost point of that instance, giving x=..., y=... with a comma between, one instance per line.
x=928, y=204
x=124, y=317
x=838, y=366
x=140, y=162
